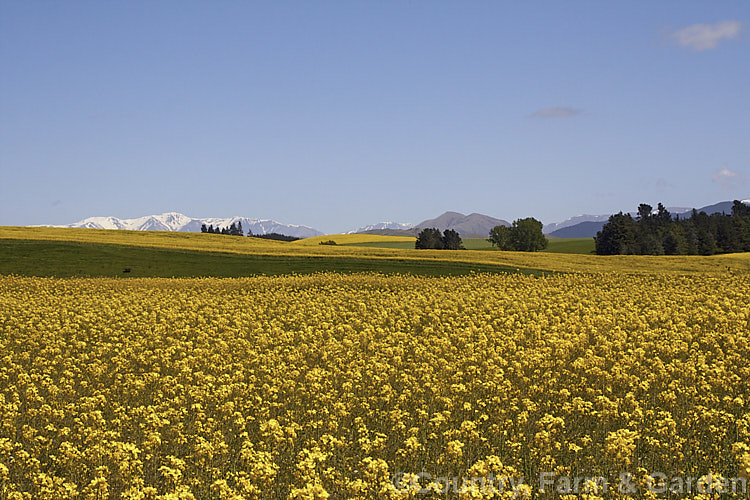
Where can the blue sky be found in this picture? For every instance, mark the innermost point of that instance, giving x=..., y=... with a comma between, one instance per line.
x=340, y=114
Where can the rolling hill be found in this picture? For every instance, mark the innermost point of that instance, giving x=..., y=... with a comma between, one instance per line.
x=44, y=251
x=468, y=226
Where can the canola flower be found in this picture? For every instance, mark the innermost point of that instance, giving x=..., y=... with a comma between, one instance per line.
x=325, y=386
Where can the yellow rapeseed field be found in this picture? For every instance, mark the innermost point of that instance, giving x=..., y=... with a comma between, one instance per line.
x=372, y=386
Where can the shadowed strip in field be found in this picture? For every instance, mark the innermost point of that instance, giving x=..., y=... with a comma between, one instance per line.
x=68, y=259
x=555, y=245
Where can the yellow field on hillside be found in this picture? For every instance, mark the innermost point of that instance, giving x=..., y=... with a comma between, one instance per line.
x=348, y=239
x=639, y=264
x=355, y=386
x=159, y=239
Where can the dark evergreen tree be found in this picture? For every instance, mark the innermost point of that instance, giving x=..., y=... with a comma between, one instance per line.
x=204, y=229
x=274, y=236
x=429, y=238
x=729, y=234
x=644, y=212
x=452, y=240
x=674, y=242
x=650, y=244
x=657, y=232
x=706, y=242
x=691, y=237
x=739, y=209
x=663, y=217
x=618, y=236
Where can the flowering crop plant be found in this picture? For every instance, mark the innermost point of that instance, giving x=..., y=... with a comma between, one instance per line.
x=332, y=385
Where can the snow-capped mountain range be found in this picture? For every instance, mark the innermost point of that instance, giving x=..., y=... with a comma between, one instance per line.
x=467, y=225
x=383, y=225
x=173, y=221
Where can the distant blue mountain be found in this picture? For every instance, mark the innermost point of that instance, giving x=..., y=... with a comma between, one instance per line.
x=586, y=229
x=716, y=208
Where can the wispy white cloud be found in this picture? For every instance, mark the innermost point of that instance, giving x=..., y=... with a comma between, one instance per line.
x=556, y=112
x=707, y=36
x=728, y=179
x=663, y=184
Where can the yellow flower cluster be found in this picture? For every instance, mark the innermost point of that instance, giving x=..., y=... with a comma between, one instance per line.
x=328, y=386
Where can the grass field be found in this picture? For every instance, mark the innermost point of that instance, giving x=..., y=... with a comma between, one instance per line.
x=374, y=240
x=469, y=244
x=556, y=245
x=404, y=245
x=65, y=259
x=571, y=245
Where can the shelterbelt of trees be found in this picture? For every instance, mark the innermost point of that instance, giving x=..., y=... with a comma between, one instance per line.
x=236, y=230
x=657, y=232
x=524, y=235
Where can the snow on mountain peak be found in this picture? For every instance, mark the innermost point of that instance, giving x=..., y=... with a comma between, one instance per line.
x=175, y=221
x=383, y=225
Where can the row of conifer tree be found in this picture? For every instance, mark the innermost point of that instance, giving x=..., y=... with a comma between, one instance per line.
x=657, y=232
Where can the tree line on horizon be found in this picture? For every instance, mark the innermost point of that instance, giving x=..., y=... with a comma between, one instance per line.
x=657, y=232
x=233, y=230
x=236, y=230
x=524, y=235
x=432, y=239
